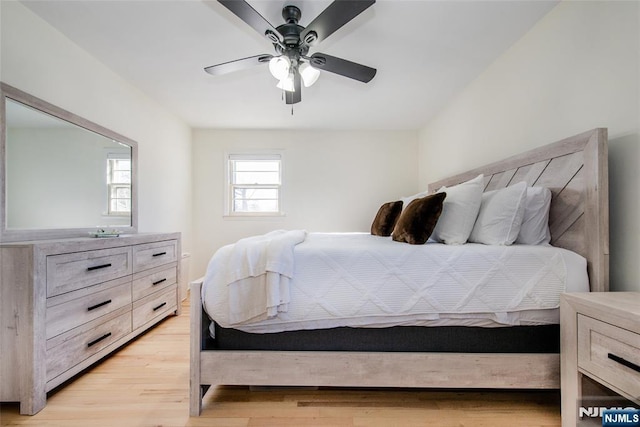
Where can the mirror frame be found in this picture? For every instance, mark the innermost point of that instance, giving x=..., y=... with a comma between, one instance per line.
x=16, y=235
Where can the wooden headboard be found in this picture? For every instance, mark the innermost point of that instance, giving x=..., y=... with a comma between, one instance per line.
x=575, y=169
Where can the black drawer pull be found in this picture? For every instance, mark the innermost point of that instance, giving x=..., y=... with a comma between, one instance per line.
x=98, y=267
x=160, y=306
x=93, y=307
x=159, y=254
x=624, y=362
x=97, y=340
x=159, y=281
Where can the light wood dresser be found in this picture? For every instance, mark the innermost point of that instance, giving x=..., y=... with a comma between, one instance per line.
x=600, y=339
x=67, y=303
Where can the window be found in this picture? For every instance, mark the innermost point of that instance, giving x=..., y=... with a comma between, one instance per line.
x=254, y=184
x=119, y=186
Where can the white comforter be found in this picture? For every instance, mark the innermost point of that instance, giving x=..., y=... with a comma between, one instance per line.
x=355, y=279
x=257, y=271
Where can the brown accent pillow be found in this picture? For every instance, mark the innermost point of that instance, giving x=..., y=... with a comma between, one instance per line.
x=386, y=218
x=419, y=219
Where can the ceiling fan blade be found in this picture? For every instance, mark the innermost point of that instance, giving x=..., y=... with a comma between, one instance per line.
x=248, y=14
x=340, y=66
x=294, y=97
x=333, y=18
x=238, y=64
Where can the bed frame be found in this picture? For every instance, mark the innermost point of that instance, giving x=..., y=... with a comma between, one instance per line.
x=574, y=169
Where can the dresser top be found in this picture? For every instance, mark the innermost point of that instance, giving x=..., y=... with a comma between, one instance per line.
x=77, y=244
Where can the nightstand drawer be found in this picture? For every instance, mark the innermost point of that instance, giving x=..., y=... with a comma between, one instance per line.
x=154, y=306
x=154, y=254
x=609, y=353
x=68, y=272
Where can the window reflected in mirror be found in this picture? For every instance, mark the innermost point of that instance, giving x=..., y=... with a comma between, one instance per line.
x=119, y=185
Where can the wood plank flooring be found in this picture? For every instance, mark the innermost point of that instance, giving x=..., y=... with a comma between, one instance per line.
x=146, y=384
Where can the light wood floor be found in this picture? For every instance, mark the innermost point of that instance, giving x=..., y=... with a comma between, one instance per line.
x=146, y=384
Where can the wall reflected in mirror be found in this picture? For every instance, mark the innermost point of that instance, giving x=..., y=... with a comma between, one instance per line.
x=59, y=175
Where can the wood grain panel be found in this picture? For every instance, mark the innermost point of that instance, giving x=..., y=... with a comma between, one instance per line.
x=530, y=173
x=69, y=272
x=364, y=369
x=568, y=205
x=71, y=314
x=573, y=237
x=596, y=162
x=80, y=343
x=500, y=180
x=560, y=171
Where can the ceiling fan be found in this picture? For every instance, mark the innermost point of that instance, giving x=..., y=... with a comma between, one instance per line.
x=291, y=65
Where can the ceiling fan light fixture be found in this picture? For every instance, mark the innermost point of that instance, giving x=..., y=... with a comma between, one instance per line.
x=279, y=67
x=287, y=84
x=309, y=74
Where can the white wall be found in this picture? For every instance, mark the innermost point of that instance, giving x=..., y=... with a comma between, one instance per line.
x=39, y=60
x=332, y=181
x=577, y=69
x=57, y=178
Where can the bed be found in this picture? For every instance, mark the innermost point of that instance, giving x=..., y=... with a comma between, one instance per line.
x=415, y=355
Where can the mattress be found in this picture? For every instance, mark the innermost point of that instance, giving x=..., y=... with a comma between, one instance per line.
x=441, y=339
x=360, y=280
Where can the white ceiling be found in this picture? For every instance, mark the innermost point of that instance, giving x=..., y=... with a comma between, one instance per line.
x=425, y=52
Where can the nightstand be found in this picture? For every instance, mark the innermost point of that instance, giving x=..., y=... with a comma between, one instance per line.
x=600, y=340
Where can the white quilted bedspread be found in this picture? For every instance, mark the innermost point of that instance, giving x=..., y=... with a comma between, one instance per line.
x=355, y=279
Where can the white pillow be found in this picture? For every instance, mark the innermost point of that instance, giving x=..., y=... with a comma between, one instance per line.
x=500, y=216
x=409, y=199
x=535, y=224
x=459, y=211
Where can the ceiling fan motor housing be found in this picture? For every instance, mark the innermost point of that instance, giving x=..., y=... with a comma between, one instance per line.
x=291, y=30
x=291, y=14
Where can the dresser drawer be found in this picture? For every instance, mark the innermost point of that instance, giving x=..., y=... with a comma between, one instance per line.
x=87, y=306
x=153, y=306
x=71, y=348
x=154, y=254
x=154, y=282
x=609, y=353
x=68, y=272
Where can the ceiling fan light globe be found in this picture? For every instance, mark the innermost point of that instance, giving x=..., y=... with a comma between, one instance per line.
x=309, y=74
x=286, y=84
x=279, y=67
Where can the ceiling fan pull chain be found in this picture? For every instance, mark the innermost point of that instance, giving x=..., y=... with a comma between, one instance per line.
x=292, y=109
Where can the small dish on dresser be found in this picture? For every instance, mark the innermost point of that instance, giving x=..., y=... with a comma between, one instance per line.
x=105, y=233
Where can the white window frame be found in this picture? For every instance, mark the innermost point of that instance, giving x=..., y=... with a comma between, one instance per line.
x=111, y=184
x=230, y=186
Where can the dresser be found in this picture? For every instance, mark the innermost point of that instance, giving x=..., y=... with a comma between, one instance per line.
x=67, y=303
x=600, y=340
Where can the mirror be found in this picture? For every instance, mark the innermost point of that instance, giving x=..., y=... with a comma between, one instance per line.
x=62, y=175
